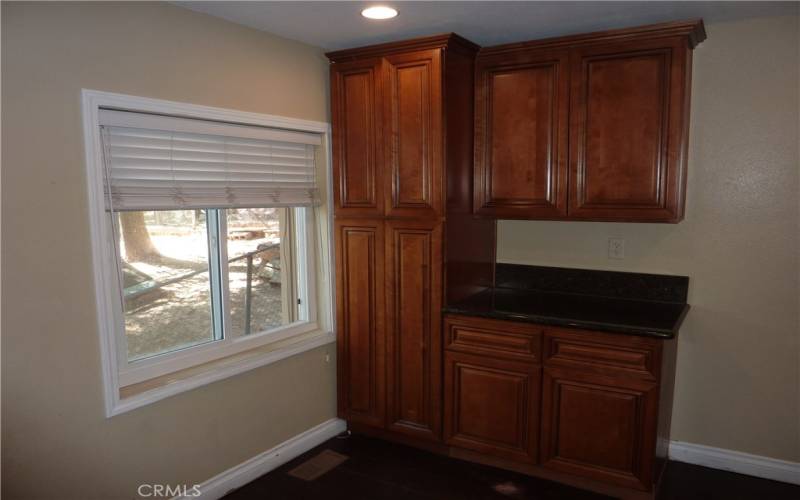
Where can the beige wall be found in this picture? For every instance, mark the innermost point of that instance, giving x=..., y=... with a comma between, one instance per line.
x=738, y=377
x=56, y=441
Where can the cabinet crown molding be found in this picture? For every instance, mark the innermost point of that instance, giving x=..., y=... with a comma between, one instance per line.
x=694, y=30
x=450, y=41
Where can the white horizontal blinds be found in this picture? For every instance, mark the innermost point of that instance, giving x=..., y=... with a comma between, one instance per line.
x=158, y=162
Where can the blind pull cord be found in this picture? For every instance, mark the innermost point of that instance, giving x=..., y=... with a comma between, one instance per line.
x=115, y=230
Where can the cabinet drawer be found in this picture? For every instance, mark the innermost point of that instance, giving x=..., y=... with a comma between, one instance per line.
x=503, y=339
x=602, y=352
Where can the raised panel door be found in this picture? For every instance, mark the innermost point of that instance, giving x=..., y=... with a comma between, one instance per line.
x=627, y=132
x=360, y=322
x=599, y=427
x=492, y=405
x=413, y=124
x=357, y=151
x=413, y=319
x=521, y=121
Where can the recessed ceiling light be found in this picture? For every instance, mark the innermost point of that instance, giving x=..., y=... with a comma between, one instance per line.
x=379, y=12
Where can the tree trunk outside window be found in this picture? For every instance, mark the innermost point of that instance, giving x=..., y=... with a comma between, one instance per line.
x=138, y=245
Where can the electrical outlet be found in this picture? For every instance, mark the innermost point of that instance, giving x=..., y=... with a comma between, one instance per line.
x=616, y=248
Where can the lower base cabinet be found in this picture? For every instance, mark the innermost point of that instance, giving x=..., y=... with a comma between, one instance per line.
x=599, y=427
x=492, y=406
x=586, y=408
x=563, y=403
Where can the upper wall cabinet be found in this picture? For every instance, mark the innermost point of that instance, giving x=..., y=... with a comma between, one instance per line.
x=621, y=101
x=521, y=106
x=628, y=130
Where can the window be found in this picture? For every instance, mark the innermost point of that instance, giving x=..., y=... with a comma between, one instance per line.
x=193, y=277
x=207, y=240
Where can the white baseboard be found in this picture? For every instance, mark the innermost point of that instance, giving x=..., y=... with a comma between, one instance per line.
x=735, y=461
x=239, y=475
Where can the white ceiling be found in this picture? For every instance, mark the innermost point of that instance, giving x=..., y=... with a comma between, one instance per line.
x=336, y=25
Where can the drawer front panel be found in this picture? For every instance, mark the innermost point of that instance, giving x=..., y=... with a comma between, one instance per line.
x=606, y=353
x=496, y=338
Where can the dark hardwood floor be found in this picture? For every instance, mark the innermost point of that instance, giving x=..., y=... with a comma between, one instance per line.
x=377, y=470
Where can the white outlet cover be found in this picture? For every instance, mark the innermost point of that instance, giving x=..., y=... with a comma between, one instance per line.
x=616, y=248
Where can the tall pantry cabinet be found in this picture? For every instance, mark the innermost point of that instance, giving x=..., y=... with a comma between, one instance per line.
x=402, y=163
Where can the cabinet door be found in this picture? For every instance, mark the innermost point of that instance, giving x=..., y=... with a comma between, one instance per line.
x=628, y=132
x=521, y=121
x=357, y=152
x=492, y=405
x=413, y=319
x=413, y=125
x=599, y=427
x=360, y=328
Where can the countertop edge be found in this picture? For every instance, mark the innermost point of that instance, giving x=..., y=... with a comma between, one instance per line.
x=571, y=323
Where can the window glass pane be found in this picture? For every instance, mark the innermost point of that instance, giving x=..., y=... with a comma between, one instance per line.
x=165, y=263
x=260, y=269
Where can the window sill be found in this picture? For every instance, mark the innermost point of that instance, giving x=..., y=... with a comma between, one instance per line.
x=144, y=393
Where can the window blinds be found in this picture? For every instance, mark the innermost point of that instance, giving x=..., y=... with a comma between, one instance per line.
x=156, y=162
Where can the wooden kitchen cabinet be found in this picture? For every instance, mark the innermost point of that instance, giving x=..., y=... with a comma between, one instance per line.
x=629, y=130
x=492, y=406
x=521, y=125
x=413, y=125
x=360, y=320
x=387, y=135
x=580, y=406
x=606, y=401
x=413, y=326
x=620, y=99
x=402, y=135
x=357, y=137
x=492, y=386
x=599, y=427
x=588, y=127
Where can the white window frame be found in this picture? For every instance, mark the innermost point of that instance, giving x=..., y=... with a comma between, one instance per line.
x=314, y=331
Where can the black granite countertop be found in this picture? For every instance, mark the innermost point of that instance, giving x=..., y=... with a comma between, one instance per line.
x=620, y=310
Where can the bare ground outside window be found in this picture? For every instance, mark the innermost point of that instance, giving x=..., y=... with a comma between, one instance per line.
x=166, y=277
